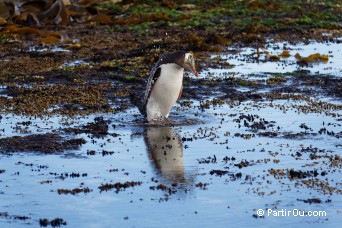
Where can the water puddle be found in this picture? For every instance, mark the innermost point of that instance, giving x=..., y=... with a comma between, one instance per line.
x=246, y=62
x=188, y=165
x=45, y=49
x=75, y=63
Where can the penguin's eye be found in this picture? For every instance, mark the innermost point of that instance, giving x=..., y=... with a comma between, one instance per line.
x=190, y=59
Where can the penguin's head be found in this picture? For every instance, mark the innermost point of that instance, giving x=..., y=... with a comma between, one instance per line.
x=189, y=63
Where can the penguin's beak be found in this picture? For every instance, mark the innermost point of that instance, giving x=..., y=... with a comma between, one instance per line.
x=193, y=70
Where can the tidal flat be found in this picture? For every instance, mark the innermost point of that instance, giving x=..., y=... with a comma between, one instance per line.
x=255, y=140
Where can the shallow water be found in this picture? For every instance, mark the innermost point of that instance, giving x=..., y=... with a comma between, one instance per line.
x=245, y=61
x=211, y=167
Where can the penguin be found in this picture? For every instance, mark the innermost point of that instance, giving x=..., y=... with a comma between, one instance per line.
x=165, y=84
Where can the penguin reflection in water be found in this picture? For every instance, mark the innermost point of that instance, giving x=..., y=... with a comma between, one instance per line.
x=165, y=151
x=165, y=84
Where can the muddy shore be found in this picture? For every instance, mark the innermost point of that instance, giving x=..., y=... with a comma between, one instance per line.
x=71, y=135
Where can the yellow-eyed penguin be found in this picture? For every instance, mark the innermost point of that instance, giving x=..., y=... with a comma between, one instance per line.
x=165, y=84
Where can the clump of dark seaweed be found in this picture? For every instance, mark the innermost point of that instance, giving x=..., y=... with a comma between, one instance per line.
x=45, y=143
x=119, y=186
x=57, y=222
x=97, y=128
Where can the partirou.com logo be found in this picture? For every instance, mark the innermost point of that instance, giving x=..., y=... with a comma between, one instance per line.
x=293, y=212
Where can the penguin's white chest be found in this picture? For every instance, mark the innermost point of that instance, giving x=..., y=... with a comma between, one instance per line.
x=165, y=91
